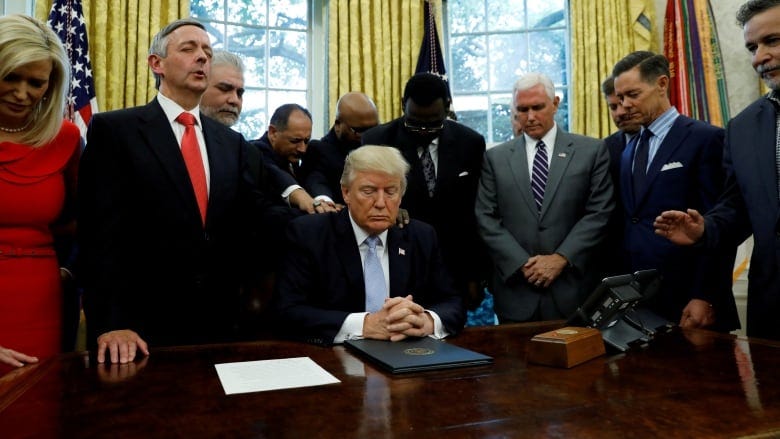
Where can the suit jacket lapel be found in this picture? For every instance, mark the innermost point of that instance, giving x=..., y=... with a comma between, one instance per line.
x=445, y=170
x=674, y=138
x=348, y=253
x=764, y=151
x=399, y=255
x=158, y=136
x=219, y=169
x=558, y=161
x=626, y=182
x=518, y=162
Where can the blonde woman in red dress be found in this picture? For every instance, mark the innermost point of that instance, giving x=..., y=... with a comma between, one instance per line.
x=39, y=154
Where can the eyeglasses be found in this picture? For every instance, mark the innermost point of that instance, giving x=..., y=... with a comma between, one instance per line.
x=423, y=127
x=357, y=130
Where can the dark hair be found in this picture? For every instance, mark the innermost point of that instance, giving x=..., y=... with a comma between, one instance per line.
x=753, y=8
x=281, y=116
x=424, y=88
x=651, y=65
x=608, y=86
x=159, y=44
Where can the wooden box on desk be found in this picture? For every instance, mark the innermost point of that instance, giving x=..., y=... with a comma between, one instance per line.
x=566, y=347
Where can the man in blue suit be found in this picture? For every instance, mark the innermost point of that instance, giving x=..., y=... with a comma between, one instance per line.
x=749, y=203
x=352, y=274
x=673, y=163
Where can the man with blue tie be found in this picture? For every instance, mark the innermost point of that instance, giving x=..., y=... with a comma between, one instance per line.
x=352, y=274
x=543, y=203
x=673, y=163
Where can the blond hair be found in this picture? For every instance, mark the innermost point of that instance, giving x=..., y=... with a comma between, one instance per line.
x=24, y=40
x=374, y=158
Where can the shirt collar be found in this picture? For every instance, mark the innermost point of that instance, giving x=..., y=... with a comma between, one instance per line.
x=548, y=138
x=361, y=235
x=172, y=110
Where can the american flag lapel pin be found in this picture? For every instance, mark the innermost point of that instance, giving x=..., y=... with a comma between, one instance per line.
x=401, y=252
x=562, y=155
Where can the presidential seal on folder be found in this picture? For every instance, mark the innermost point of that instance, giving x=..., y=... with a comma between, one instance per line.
x=416, y=354
x=566, y=347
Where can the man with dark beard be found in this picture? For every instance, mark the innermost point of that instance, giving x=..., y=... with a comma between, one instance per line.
x=355, y=113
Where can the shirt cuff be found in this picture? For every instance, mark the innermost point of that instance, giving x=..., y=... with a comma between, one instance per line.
x=290, y=189
x=438, y=328
x=324, y=198
x=352, y=328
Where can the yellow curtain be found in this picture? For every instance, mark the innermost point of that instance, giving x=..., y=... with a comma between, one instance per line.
x=373, y=47
x=119, y=33
x=602, y=33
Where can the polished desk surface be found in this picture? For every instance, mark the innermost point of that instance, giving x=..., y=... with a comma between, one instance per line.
x=685, y=384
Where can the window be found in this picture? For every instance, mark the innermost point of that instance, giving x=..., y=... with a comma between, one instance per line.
x=494, y=42
x=271, y=36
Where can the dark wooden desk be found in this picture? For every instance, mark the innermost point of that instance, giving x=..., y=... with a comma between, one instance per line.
x=689, y=384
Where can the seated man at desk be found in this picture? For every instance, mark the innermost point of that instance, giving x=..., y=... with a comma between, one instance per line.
x=352, y=274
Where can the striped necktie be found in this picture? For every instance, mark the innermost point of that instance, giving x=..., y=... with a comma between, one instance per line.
x=539, y=174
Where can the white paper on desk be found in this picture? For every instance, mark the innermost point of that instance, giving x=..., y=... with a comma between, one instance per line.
x=284, y=373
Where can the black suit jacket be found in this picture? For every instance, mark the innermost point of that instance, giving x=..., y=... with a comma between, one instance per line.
x=277, y=168
x=451, y=210
x=148, y=263
x=323, y=165
x=321, y=281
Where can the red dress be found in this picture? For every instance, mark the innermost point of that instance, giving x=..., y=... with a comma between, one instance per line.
x=32, y=196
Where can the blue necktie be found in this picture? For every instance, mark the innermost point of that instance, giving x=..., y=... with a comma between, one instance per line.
x=376, y=290
x=640, y=162
x=539, y=174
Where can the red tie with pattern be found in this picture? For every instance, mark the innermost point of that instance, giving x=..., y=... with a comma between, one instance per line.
x=192, y=158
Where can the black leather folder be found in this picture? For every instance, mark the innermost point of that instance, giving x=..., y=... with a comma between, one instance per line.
x=417, y=354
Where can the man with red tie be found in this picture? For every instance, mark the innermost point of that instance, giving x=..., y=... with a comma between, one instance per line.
x=167, y=201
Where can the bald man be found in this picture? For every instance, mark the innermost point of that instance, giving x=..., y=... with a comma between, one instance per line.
x=355, y=113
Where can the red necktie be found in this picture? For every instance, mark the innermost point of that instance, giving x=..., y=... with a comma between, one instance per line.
x=192, y=158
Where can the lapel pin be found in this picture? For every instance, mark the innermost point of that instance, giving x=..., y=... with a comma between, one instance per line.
x=562, y=155
x=401, y=252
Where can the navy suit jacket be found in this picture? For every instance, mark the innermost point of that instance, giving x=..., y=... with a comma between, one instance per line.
x=277, y=167
x=321, y=281
x=148, y=263
x=323, y=166
x=750, y=205
x=451, y=210
x=686, y=172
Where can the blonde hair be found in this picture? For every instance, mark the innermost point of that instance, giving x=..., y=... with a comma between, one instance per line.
x=374, y=158
x=24, y=40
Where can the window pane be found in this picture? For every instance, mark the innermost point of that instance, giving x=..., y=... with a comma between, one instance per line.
x=287, y=63
x=278, y=98
x=472, y=111
x=501, y=114
x=209, y=9
x=247, y=11
x=508, y=59
x=254, y=117
x=469, y=64
x=505, y=15
x=545, y=13
x=466, y=16
x=562, y=116
x=249, y=43
x=548, y=52
x=289, y=14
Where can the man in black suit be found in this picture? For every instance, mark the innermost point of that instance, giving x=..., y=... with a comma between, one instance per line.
x=355, y=114
x=283, y=146
x=167, y=201
x=334, y=280
x=446, y=159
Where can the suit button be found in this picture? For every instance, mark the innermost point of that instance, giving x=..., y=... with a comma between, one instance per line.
x=634, y=220
x=206, y=236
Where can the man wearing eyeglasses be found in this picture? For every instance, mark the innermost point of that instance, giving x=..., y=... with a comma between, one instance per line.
x=445, y=157
x=283, y=146
x=355, y=114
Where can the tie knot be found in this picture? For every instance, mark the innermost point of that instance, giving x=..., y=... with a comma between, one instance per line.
x=540, y=145
x=646, y=134
x=372, y=241
x=186, y=119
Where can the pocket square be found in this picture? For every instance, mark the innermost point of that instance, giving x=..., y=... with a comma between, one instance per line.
x=463, y=174
x=671, y=165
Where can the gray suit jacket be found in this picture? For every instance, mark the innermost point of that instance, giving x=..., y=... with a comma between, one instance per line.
x=577, y=204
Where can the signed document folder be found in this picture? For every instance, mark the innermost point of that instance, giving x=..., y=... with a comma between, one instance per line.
x=416, y=354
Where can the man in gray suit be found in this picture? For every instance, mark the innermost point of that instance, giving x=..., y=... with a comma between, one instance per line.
x=543, y=204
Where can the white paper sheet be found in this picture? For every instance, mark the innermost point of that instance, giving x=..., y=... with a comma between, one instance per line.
x=283, y=373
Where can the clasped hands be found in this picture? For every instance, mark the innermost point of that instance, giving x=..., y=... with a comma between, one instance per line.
x=398, y=319
x=542, y=270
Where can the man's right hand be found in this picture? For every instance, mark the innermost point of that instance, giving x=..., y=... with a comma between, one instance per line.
x=121, y=345
x=14, y=358
x=680, y=227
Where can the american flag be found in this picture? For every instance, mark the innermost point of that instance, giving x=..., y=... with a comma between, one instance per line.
x=67, y=20
x=431, y=59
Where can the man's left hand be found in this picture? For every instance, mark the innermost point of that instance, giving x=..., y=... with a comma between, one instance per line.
x=542, y=270
x=697, y=314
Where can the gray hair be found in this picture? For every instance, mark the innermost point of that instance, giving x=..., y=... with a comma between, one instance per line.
x=531, y=80
x=223, y=57
x=374, y=158
x=159, y=44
